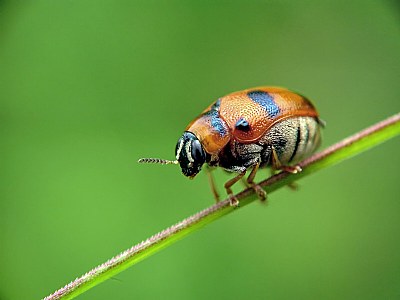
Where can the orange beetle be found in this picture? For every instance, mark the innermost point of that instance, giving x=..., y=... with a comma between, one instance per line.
x=249, y=129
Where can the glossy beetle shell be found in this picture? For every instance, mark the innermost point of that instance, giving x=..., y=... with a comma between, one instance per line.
x=246, y=116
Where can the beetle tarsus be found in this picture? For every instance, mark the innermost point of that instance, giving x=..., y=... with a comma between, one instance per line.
x=261, y=193
x=233, y=201
x=292, y=169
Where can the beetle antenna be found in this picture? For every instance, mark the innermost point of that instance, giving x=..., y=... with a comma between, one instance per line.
x=157, y=161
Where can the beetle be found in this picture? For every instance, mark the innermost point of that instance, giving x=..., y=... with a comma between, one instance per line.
x=250, y=129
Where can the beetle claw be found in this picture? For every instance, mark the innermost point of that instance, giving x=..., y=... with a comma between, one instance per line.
x=292, y=169
x=233, y=201
x=261, y=193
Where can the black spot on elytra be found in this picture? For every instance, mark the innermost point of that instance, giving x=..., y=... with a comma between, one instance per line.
x=242, y=125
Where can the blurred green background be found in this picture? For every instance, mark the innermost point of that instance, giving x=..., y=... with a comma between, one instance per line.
x=88, y=87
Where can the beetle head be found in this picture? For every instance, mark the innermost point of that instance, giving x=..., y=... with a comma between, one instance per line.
x=190, y=154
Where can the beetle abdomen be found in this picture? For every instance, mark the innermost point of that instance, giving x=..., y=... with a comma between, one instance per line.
x=294, y=139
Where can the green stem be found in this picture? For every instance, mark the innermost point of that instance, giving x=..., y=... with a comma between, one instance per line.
x=347, y=148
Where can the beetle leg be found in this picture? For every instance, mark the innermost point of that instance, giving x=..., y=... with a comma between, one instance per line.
x=275, y=162
x=262, y=195
x=292, y=169
x=244, y=181
x=277, y=165
x=212, y=184
x=233, y=200
x=293, y=185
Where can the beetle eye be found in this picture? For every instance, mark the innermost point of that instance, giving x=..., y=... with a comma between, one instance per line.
x=198, y=152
